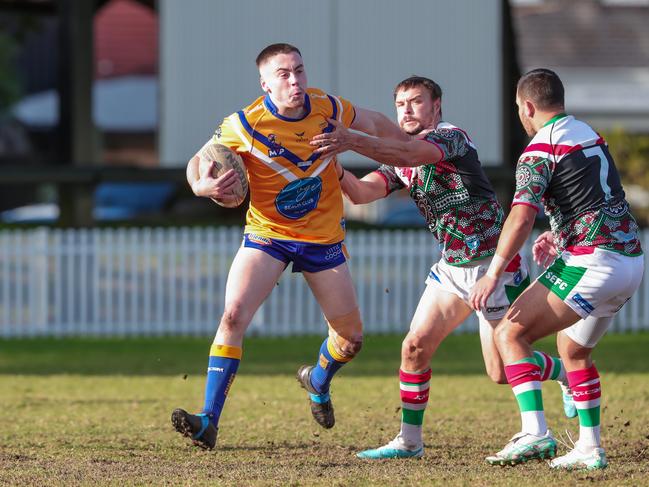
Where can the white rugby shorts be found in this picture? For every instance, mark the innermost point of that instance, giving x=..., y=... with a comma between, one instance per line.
x=459, y=280
x=595, y=285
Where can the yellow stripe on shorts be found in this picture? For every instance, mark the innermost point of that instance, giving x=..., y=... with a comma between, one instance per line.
x=226, y=351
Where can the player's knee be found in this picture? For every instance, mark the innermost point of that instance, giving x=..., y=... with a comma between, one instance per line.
x=235, y=318
x=348, y=349
x=413, y=349
x=496, y=374
x=346, y=336
x=504, y=333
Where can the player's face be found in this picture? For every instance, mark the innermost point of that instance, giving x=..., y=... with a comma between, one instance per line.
x=284, y=79
x=525, y=118
x=416, y=111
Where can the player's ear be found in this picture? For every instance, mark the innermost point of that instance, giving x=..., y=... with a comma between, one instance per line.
x=437, y=107
x=530, y=109
x=263, y=84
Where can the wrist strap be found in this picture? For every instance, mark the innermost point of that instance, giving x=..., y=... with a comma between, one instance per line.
x=497, y=262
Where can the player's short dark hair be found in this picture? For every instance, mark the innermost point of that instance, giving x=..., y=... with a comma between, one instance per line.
x=274, y=49
x=414, y=81
x=543, y=87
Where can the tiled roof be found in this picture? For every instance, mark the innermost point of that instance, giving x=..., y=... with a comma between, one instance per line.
x=581, y=33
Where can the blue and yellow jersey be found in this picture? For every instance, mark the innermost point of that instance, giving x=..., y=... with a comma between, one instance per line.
x=294, y=195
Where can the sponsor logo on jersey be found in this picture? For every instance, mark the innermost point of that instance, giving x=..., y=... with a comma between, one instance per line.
x=583, y=303
x=473, y=242
x=616, y=210
x=217, y=132
x=258, y=239
x=300, y=137
x=275, y=149
x=299, y=197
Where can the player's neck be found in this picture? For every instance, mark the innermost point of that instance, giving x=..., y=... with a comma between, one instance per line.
x=547, y=117
x=287, y=112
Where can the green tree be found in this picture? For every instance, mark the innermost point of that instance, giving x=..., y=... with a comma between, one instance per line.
x=631, y=154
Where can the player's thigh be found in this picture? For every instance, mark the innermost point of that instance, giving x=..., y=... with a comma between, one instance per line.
x=537, y=313
x=334, y=291
x=490, y=353
x=438, y=313
x=252, y=277
x=586, y=333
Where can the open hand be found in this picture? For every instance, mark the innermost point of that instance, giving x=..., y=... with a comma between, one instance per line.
x=334, y=142
x=481, y=291
x=544, y=251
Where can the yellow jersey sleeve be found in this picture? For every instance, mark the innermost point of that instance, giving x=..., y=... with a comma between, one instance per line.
x=229, y=135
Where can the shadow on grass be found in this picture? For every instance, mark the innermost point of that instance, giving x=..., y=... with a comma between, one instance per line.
x=459, y=354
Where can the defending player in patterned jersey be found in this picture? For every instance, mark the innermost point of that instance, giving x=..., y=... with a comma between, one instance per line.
x=295, y=215
x=441, y=169
x=567, y=169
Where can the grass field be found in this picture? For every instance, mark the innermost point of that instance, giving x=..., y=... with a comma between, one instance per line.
x=96, y=412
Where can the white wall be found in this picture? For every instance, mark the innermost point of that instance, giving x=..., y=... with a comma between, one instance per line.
x=356, y=49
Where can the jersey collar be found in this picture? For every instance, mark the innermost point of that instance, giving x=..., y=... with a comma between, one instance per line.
x=558, y=116
x=272, y=108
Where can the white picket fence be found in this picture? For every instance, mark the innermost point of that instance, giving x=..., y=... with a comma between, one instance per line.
x=165, y=281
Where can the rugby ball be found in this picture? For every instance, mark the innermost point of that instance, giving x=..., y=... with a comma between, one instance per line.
x=225, y=159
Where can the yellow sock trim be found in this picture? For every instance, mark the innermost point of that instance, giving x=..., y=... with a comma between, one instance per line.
x=226, y=351
x=335, y=355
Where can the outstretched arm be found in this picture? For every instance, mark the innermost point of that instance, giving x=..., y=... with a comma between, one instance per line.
x=359, y=191
x=403, y=153
x=377, y=124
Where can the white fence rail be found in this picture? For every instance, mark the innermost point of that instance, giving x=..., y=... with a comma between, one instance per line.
x=166, y=281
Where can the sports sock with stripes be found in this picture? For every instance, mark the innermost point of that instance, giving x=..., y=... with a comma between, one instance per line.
x=329, y=362
x=551, y=367
x=414, y=388
x=525, y=378
x=586, y=392
x=221, y=370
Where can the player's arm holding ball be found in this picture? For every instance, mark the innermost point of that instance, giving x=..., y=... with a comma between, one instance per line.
x=216, y=172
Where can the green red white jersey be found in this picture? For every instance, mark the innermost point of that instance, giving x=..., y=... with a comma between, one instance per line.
x=568, y=169
x=454, y=196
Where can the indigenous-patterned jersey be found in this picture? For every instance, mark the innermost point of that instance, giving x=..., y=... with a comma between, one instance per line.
x=294, y=194
x=568, y=169
x=454, y=195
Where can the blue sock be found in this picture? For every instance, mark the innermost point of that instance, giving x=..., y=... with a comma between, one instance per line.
x=326, y=367
x=222, y=367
